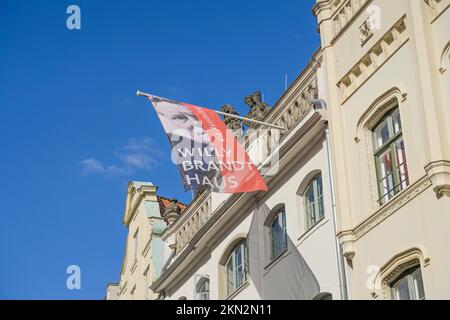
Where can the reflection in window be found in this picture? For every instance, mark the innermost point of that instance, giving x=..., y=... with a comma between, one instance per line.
x=314, y=202
x=202, y=288
x=409, y=286
x=278, y=234
x=390, y=156
x=236, y=268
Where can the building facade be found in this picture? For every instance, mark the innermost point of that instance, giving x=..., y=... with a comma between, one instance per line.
x=144, y=251
x=386, y=66
x=358, y=204
x=243, y=246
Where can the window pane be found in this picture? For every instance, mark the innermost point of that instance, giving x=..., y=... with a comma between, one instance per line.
x=279, y=241
x=319, y=198
x=392, y=166
x=402, y=289
x=230, y=276
x=309, y=206
x=236, y=268
x=385, y=161
x=386, y=176
x=319, y=185
x=202, y=289
x=381, y=134
x=396, y=121
x=418, y=285
x=239, y=276
x=238, y=256
x=402, y=166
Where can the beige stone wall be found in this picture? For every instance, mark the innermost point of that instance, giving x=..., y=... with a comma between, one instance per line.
x=138, y=270
x=404, y=60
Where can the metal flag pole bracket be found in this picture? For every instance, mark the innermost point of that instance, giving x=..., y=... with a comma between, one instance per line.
x=143, y=94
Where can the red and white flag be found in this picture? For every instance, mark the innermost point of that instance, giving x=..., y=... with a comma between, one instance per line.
x=206, y=151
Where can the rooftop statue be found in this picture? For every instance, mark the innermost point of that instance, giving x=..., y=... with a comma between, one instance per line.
x=258, y=108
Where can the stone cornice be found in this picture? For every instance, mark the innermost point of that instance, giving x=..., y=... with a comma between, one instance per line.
x=135, y=195
x=321, y=5
x=439, y=173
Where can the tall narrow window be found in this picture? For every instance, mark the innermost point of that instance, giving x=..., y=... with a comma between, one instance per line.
x=409, y=286
x=202, y=288
x=132, y=293
x=236, y=268
x=136, y=245
x=390, y=156
x=278, y=234
x=147, y=285
x=314, y=202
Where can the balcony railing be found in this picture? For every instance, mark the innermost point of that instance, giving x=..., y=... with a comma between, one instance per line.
x=192, y=219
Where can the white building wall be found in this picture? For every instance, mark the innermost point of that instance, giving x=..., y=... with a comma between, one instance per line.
x=283, y=278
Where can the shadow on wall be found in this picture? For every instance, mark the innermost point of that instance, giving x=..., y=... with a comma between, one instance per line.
x=287, y=278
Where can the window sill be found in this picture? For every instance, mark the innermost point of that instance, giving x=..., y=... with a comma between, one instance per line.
x=275, y=261
x=313, y=229
x=238, y=290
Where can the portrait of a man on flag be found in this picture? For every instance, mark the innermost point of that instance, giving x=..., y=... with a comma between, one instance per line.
x=206, y=152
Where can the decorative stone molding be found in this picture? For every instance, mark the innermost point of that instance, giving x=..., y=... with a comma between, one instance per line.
x=258, y=108
x=172, y=212
x=365, y=31
x=439, y=174
x=137, y=191
x=373, y=60
x=378, y=108
x=194, y=218
x=296, y=111
x=392, y=98
x=416, y=256
x=437, y=7
x=348, y=238
x=345, y=12
x=234, y=124
x=392, y=206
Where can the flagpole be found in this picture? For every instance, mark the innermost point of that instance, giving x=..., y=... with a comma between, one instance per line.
x=143, y=94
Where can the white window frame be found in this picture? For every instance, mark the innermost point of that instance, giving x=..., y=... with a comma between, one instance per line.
x=136, y=244
x=410, y=277
x=237, y=276
x=283, y=234
x=395, y=136
x=202, y=295
x=317, y=206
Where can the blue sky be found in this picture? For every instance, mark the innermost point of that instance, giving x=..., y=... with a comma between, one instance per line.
x=73, y=133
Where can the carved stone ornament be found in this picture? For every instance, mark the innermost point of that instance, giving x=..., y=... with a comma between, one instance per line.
x=232, y=123
x=172, y=211
x=258, y=109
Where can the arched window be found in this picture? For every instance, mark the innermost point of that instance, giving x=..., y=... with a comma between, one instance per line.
x=202, y=288
x=278, y=234
x=313, y=196
x=390, y=156
x=236, y=268
x=409, y=286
